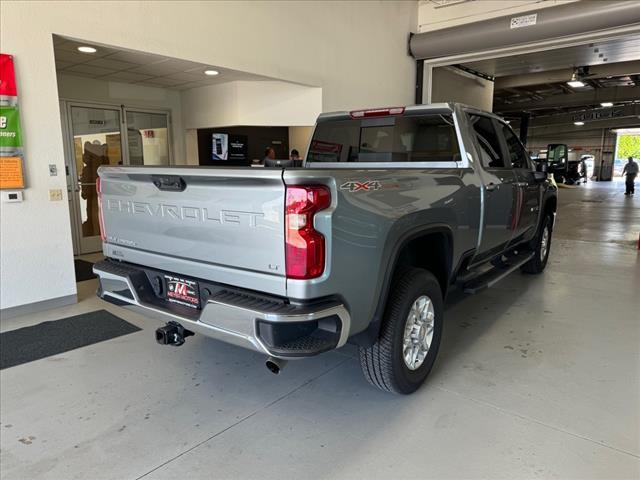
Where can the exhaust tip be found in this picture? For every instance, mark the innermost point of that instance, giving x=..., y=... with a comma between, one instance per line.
x=273, y=368
x=275, y=365
x=161, y=337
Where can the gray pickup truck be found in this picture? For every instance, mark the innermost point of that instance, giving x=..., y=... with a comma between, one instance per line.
x=391, y=209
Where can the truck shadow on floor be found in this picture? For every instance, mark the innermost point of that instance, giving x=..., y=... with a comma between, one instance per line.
x=469, y=318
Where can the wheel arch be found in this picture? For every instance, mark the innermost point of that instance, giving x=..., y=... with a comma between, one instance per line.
x=429, y=247
x=550, y=204
x=549, y=207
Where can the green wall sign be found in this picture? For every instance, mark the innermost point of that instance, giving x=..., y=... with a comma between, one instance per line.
x=10, y=127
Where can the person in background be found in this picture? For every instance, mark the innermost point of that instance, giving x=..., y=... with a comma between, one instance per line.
x=631, y=171
x=583, y=169
x=295, y=155
x=269, y=154
x=95, y=154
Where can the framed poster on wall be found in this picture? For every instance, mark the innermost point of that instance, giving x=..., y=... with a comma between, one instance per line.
x=238, y=148
x=11, y=175
x=11, y=155
x=220, y=146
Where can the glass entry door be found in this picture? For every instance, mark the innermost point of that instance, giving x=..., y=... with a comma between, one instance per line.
x=95, y=140
x=147, y=137
x=98, y=135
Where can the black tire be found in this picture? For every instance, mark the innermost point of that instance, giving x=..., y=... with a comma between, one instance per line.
x=539, y=261
x=382, y=363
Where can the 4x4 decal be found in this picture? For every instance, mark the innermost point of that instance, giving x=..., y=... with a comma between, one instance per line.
x=355, y=186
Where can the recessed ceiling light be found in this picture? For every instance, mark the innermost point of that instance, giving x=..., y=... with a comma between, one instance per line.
x=606, y=104
x=86, y=49
x=578, y=123
x=211, y=73
x=575, y=82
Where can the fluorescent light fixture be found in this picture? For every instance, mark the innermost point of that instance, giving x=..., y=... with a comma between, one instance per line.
x=578, y=123
x=87, y=49
x=606, y=104
x=211, y=73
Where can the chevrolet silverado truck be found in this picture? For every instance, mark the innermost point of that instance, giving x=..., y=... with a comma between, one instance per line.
x=392, y=208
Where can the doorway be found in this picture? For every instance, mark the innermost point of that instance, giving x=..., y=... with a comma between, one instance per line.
x=96, y=135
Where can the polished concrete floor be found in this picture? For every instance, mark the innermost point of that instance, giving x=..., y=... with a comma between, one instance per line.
x=538, y=377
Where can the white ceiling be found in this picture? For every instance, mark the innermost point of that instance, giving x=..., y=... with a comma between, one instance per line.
x=598, y=53
x=114, y=64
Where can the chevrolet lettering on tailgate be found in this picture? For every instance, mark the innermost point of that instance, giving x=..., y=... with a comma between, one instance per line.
x=178, y=212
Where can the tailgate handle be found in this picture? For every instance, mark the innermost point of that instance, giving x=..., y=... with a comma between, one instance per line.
x=169, y=183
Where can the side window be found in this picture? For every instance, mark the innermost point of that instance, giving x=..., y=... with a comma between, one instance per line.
x=516, y=151
x=487, y=137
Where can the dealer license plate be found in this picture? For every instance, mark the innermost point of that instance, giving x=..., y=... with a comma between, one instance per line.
x=182, y=291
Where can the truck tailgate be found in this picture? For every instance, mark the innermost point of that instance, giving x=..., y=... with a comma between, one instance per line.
x=209, y=223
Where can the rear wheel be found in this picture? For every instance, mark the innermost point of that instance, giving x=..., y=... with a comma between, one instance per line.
x=541, y=248
x=403, y=355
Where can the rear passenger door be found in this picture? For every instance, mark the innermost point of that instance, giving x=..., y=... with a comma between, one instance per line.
x=528, y=193
x=499, y=187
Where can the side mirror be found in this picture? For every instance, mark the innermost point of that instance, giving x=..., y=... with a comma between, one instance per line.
x=540, y=177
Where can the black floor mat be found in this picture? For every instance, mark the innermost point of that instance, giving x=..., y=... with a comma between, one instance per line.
x=84, y=270
x=58, y=336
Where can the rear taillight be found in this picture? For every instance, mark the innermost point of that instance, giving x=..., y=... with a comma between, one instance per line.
x=304, y=245
x=103, y=234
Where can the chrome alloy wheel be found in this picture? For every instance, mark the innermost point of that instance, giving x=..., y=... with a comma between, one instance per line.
x=418, y=332
x=544, y=243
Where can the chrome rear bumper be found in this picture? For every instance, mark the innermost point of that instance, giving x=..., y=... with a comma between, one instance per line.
x=240, y=320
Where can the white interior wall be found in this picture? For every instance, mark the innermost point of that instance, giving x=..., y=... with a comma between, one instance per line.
x=211, y=106
x=431, y=16
x=450, y=85
x=262, y=103
x=299, y=138
x=191, y=146
x=356, y=51
x=278, y=103
x=130, y=95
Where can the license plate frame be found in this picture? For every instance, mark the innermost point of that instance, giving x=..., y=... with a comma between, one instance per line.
x=182, y=291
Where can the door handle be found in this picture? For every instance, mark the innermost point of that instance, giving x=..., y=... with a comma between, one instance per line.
x=171, y=183
x=491, y=187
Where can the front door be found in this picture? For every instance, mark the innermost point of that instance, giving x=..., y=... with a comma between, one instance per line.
x=93, y=139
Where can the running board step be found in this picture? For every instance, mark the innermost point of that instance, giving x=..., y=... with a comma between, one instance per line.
x=493, y=276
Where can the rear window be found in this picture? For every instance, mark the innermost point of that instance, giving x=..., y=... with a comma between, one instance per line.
x=429, y=138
